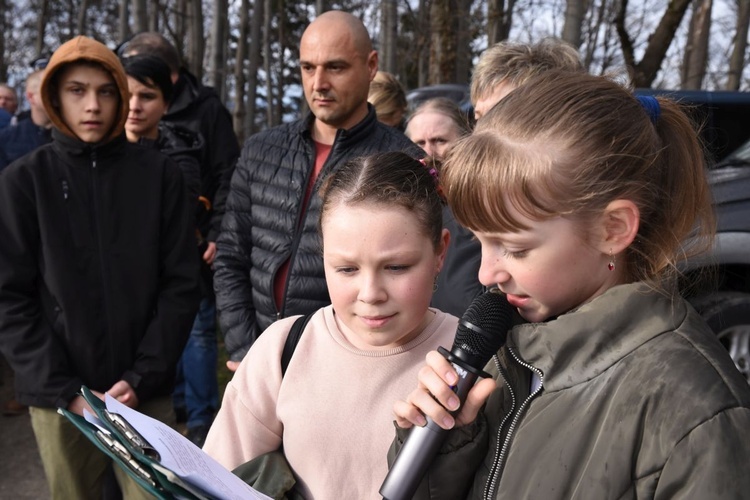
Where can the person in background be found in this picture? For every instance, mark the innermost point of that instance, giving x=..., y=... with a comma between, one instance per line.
x=151, y=91
x=268, y=264
x=198, y=108
x=383, y=244
x=5, y=119
x=28, y=134
x=98, y=272
x=434, y=126
x=8, y=98
x=507, y=64
x=613, y=386
x=500, y=69
x=16, y=141
x=389, y=99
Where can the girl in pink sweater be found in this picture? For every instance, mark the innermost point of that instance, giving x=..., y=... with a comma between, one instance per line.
x=383, y=246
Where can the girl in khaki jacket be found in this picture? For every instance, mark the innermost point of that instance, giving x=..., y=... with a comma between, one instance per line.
x=584, y=201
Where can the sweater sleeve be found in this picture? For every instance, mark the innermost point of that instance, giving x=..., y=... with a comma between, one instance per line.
x=234, y=293
x=247, y=425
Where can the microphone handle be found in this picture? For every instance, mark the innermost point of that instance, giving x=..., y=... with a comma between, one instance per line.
x=422, y=445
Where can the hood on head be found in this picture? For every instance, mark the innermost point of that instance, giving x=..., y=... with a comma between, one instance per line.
x=82, y=48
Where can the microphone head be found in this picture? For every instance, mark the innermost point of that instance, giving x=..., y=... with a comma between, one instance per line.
x=483, y=329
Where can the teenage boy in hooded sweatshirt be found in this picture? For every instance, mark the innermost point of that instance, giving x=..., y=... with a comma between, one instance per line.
x=98, y=269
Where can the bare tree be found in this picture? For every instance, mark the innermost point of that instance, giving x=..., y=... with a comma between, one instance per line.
x=575, y=12
x=253, y=65
x=388, y=35
x=238, y=113
x=644, y=72
x=217, y=59
x=267, y=61
x=3, y=30
x=196, y=40
x=123, y=26
x=696, y=48
x=444, y=35
x=41, y=25
x=81, y=22
x=737, y=59
x=140, y=16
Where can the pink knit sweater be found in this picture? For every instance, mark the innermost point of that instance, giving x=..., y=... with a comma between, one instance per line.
x=332, y=410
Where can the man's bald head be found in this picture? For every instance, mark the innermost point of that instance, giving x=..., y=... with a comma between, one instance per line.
x=337, y=64
x=341, y=24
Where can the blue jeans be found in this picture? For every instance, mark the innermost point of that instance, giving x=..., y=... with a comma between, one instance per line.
x=197, y=389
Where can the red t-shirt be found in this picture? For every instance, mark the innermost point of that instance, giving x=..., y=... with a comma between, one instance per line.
x=321, y=155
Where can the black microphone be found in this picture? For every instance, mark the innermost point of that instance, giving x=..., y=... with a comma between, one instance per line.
x=481, y=332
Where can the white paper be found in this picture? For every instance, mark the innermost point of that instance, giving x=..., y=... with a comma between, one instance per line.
x=184, y=458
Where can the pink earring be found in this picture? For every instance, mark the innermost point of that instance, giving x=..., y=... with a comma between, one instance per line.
x=611, y=264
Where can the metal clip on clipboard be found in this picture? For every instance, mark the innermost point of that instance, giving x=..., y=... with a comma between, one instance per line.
x=126, y=457
x=132, y=435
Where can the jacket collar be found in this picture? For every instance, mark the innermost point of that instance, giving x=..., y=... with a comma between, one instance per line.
x=72, y=146
x=583, y=343
x=353, y=135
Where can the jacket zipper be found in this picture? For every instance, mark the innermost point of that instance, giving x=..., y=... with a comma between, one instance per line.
x=98, y=227
x=64, y=189
x=501, y=452
x=280, y=308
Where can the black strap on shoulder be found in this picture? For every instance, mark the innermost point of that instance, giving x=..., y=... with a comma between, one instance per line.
x=295, y=332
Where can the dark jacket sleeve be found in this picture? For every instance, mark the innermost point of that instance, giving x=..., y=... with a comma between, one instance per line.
x=451, y=473
x=178, y=295
x=26, y=335
x=221, y=152
x=234, y=293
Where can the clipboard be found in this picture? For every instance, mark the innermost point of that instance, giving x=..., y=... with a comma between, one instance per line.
x=131, y=452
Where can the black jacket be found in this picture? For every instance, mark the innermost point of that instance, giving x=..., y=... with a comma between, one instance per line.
x=199, y=109
x=98, y=269
x=264, y=225
x=185, y=147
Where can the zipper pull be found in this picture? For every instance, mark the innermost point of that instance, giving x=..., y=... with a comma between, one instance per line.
x=65, y=189
x=93, y=159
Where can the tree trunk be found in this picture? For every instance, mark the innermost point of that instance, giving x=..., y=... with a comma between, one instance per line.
x=644, y=72
x=217, y=77
x=153, y=19
x=494, y=21
x=238, y=114
x=41, y=26
x=444, y=34
x=81, y=21
x=696, y=51
x=388, y=36
x=463, y=41
x=3, y=30
x=423, y=43
x=320, y=7
x=123, y=25
x=737, y=59
x=267, y=64
x=253, y=65
x=282, y=22
x=196, y=43
x=140, y=16
x=575, y=12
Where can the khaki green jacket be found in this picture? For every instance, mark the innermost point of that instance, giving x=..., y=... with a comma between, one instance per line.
x=638, y=400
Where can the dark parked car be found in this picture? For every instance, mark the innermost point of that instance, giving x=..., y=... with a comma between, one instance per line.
x=724, y=299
